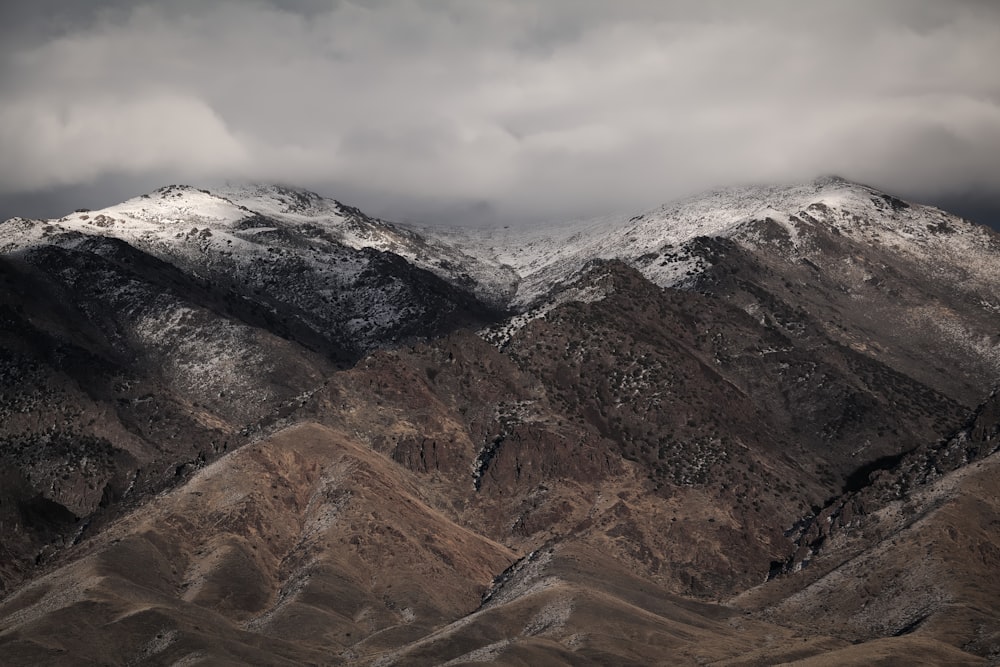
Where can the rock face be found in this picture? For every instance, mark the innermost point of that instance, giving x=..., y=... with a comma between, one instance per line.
x=259, y=426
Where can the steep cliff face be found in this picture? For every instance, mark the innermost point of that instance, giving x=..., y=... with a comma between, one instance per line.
x=258, y=425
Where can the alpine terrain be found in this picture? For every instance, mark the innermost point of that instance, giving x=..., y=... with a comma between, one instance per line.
x=254, y=425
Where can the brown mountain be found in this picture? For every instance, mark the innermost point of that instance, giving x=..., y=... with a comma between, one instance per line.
x=750, y=428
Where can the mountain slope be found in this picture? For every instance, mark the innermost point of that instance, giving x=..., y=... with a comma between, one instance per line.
x=907, y=554
x=120, y=374
x=333, y=438
x=784, y=218
x=286, y=566
x=307, y=268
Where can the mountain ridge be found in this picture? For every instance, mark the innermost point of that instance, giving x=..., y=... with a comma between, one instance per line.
x=454, y=445
x=722, y=212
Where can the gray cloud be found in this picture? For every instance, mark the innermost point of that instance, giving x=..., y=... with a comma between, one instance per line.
x=501, y=109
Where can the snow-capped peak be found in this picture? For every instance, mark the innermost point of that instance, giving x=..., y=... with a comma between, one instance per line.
x=282, y=200
x=198, y=225
x=652, y=240
x=513, y=266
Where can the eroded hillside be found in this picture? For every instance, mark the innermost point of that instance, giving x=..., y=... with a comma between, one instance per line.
x=259, y=426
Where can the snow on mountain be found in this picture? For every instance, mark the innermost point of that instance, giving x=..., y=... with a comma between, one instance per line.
x=513, y=267
x=310, y=264
x=654, y=241
x=243, y=224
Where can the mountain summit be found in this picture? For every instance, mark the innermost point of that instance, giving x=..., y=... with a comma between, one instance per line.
x=256, y=425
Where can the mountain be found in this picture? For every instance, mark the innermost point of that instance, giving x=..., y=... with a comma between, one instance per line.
x=255, y=425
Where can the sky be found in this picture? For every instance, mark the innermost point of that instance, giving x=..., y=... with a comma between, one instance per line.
x=497, y=111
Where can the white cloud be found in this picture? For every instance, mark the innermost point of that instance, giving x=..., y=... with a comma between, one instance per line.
x=545, y=109
x=69, y=141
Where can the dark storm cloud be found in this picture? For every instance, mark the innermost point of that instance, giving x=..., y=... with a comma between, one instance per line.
x=507, y=108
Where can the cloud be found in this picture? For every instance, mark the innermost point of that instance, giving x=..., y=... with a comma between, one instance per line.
x=67, y=142
x=425, y=108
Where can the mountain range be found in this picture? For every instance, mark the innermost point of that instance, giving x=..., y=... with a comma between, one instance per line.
x=253, y=425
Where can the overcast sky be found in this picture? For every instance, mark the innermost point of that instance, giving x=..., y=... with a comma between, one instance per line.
x=497, y=110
